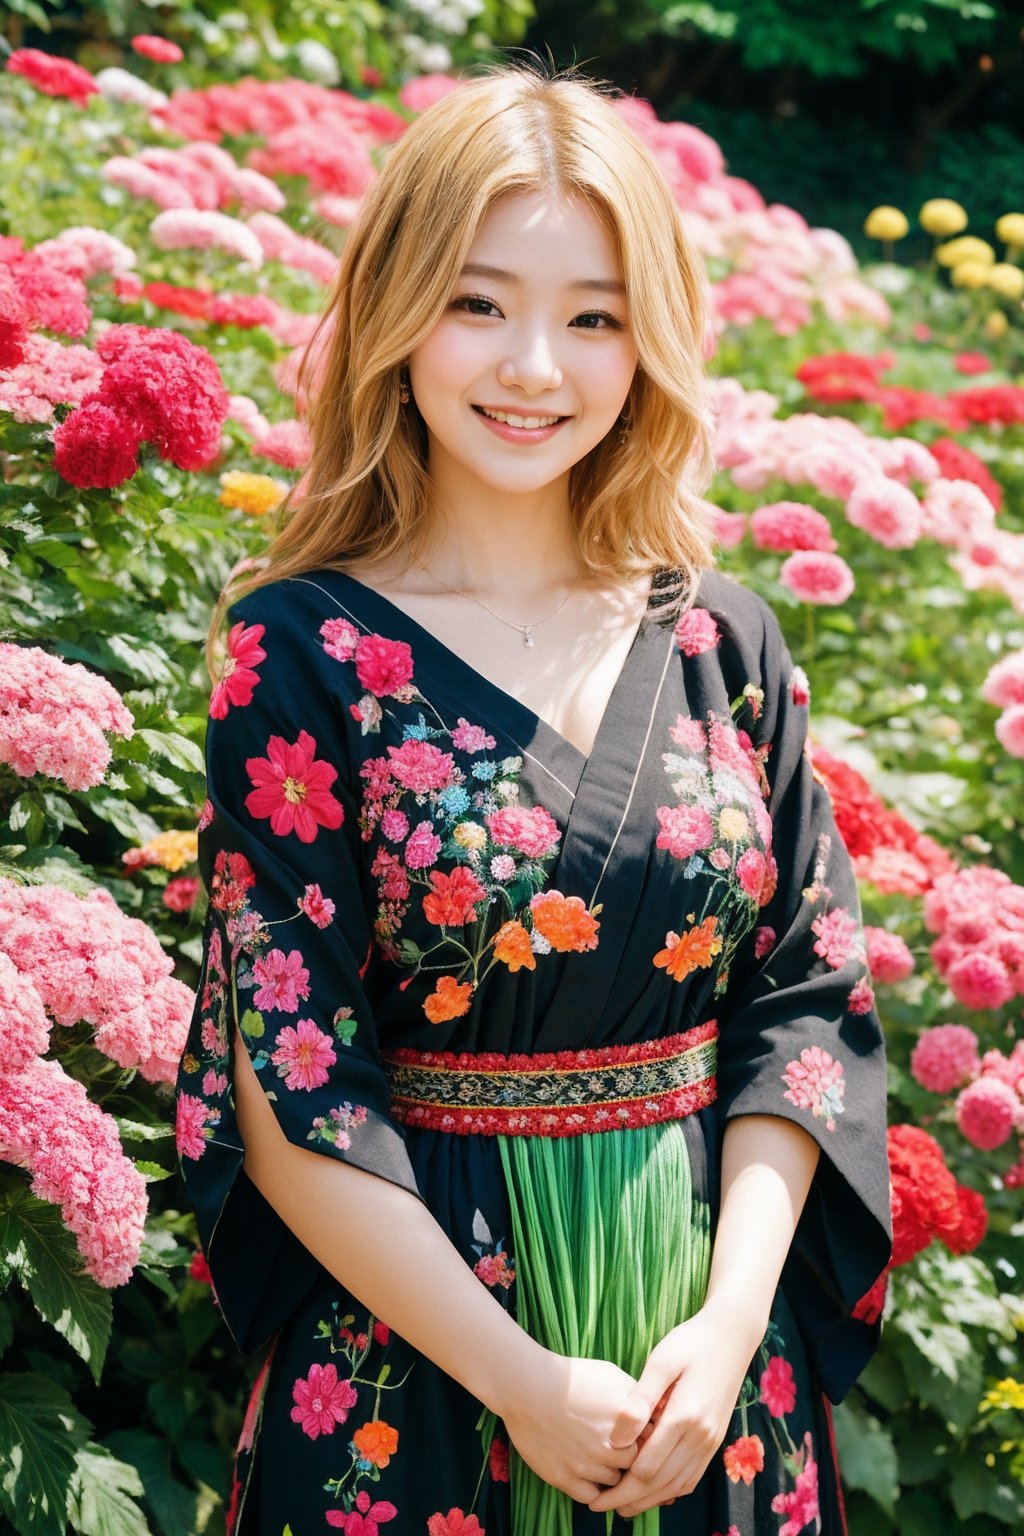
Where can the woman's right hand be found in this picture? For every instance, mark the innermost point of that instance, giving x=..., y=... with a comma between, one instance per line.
x=559, y=1416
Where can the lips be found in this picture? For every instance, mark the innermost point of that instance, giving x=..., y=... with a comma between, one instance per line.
x=518, y=419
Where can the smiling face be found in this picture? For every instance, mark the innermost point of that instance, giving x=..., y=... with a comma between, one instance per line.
x=531, y=362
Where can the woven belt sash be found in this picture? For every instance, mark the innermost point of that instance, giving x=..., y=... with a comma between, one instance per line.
x=562, y=1093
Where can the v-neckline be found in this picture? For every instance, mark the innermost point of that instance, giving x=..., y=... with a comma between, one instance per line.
x=528, y=728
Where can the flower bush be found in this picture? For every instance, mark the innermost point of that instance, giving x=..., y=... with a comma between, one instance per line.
x=172, y=250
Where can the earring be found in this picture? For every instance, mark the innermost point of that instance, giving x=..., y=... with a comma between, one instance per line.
x=403, y=388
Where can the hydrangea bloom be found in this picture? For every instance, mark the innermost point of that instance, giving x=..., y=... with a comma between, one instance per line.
x=53, y=716
x=889, y=959
x=24, y=1027
x=945, y=1057
x=987, y=1112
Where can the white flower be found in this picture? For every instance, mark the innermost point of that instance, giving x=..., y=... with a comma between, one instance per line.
x=121, y=85
x=448, y=19
x=317, y=61
x=435, y=59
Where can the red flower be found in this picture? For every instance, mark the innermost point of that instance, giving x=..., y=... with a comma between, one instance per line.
x=293, y=789
x=452, y=900
x=170, y=387
x=191, y=302
x=96, y=447
x=383, y=666
x=498, y=1461
x=959, y=463
x=925, y=1200
x=744, y=1458
x=973, y=1221
x=365, y=1518
x=52, y=75
x=454, y=1523
x=238, y=678
x=232, y=877
x=322, y=1401
x=160, y=49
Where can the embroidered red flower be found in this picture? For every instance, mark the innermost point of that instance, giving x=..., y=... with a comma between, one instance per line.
x=238, y=676
x=322, y=1402
x=232, y=877
x=452, y=899
x=494, y=1269
x=498, y=1460
x=454, y=1523
x=365, y=1519
x=744, y=1458
x=778, y=1387
x=293, y=789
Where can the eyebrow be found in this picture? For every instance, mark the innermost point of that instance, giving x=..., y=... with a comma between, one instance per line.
x=588, y=284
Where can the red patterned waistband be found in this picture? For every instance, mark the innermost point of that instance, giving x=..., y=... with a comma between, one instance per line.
x=561, y=1093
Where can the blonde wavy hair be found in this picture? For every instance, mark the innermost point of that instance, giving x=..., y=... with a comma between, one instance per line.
x=636, y=497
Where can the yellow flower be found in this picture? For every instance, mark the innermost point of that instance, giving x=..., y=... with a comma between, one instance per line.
x=967, y=248
x=941, y=216
x=885, y=223
x=1006, y=1394
x=1010, y=228
x=1006, y=279
x=468, y=835
x=996, y=324
x=171, y=850
x=734, y=825
x=970, y=274
x=255, y=494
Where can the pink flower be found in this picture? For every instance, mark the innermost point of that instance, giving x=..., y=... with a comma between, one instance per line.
x=238, y=676
x=283, y=981
x=689, y=734
x=423, y=847
x=72, y=1148
x=293, y=789
x=533, y=832
x=751, y=868
x=1010, y=730
x=815, y=1082
x=696, y=632
x=322, y=1402
x=365, y=1518
x=53, y=716
x=495, y=1270
x=383, y=666
x=160, y=49
x=987, y=1112
x=24, y=1027
x=340, y=638
x=394, y=825
x=861, y=998
x=788, y=525
x=836, y=932
x=778, y=1387
x=191, y=1118
x=799, y=687
x=816, y=577
x=167, y=385
x=886, y=510
x=764, y=942
x=303, y=1055
x=471, y=738
x=801, y=1505
x=945, y=1057
x=503, y=867
x=317, y=907
x=1004, y=682
x=979, y=980
x=186, y=228
x=420, y=766
x=181, y=894
x=744, y=1458
x=454, y=1523
x=685, y=829
x=889, y=959
x=420, y=93
x=52, y=75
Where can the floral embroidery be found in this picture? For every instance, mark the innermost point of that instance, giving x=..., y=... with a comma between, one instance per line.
x=696, y=632
x=744, y=1458
x=689, y=951
x=778, y=1387
x=801, y=1505
x=815, y=1082
x=293, y=789
x=496, y=1268
x=454, y=1523
x=322, y=1401
x=238, y=675
x=365, y=1518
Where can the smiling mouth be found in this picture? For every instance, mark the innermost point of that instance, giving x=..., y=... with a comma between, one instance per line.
x=510, y=419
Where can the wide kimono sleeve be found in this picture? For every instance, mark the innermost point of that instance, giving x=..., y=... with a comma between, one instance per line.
x=799, y=1034
x=287, y=943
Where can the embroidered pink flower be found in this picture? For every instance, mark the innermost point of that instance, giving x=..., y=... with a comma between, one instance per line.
x=232, y=877
x=340, y=638
x=383, y=666
x=293, y=789
x=801, y=1505
x=317, y=907
x=861, y=998
x=394, y=825
x=214, y=1083
x=454, y=1523
x=817, y=577
x=689, y=734
x=836, y=932
x=283, y=981
x=497, y=1460
x=322, y=1402
x=945, y=1057
x=191, y=1119
x=815, y=1082
x=696, y=632
x=744, y=1458
x=751, y=869
x=238, y=676
x=764, y=942
x=303, y=1055
x=494, y=1269
x=420, y=766
x=502, y=867
x=423, y=846
x=778, y=1387
x=684, y=829
x=533, y=832
x=365, y=1518
x=471, y=738
x=987, y=1112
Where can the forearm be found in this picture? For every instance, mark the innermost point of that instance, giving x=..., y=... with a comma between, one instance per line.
x=767, y=1167
x=383, y=1245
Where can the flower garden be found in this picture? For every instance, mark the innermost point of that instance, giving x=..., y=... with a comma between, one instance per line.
x=164, y=251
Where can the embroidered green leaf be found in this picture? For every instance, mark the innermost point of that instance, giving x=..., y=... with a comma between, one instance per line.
x=251, y=1024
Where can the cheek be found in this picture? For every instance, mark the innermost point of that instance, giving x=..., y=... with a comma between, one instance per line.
x=451, y=356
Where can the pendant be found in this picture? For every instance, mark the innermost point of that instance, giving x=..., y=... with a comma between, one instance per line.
x=527, y=637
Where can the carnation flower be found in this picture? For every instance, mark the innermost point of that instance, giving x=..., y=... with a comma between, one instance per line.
x=925, y=1203
x=945, y=1057
x=886, y=510
x=96, y=447
x=791, y=525
x=52, y=75
x=973, y=1221
x=181, y=894
x=696, y=632
x=987, y=1112
x=54, y=716
x=287, y=443
x=816, y=577
x=160, y=49
x=186, y=228
x=889, y=959
x=979, y=980
x=169, y=387
x=1010, y=730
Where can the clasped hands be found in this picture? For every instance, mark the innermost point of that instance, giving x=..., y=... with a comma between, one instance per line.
x=617, y=1444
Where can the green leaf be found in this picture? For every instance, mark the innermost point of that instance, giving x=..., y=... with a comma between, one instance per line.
x=6, y=1327
x=136, y=1130
x=54, y=551
x=153, y=1172
x=977, y=1490
x=177, y=749
x=103, y=1493
x=175, y=1507
x=40, y=1433
x=42, y=1253
x=866, y=1455
x=251, y=1024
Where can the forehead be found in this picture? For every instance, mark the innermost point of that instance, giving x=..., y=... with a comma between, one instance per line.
x=548, y=222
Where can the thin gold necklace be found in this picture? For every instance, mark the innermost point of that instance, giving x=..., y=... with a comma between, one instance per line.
x=525, y=630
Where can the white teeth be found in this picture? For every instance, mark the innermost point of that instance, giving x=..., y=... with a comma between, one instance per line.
x=520, y=421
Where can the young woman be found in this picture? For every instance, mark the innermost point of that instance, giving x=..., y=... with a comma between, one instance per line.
x=534, y=1109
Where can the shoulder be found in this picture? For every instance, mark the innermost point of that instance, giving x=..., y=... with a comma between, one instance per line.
x=735, y=607
x=291, y=602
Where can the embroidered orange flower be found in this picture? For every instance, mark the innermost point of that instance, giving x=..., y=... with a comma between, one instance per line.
x=744, y=1458
x=512, y=945
x=564, y=921
x=451, y=901
x=449, y=1000
x=377, y=1442
x=689, y=951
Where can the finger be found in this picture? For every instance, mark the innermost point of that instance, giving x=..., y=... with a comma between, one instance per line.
x=582, y=1491
x=632, y=1416
x=666, y=1453
x=627, y=1490
x=619, y=1458
x=682, y=1474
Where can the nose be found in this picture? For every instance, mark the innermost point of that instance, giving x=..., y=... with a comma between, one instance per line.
x=530, y=365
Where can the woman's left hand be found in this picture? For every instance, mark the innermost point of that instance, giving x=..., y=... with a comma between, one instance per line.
x=679, y=1411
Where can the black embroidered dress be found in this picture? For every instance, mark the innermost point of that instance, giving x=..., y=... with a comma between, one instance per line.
x=415, y=883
